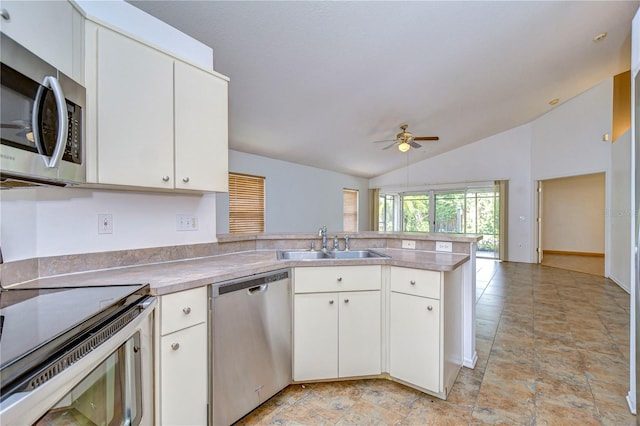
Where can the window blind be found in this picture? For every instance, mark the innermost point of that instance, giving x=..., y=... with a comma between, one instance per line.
x=350, y=210
x=246, y=204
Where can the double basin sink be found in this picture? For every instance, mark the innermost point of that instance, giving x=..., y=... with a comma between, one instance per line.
x=329, y=254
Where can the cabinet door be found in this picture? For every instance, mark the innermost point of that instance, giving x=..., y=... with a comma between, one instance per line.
x=135, y=113
x=414, y=340
x=201, y=135
x=183, y=382
x=48, y=29
x=359, y=334
x=315, y=336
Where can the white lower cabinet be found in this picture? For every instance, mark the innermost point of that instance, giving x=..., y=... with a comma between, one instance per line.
x=337, y=334
x=425, y=328
x=315, y=337
x=414, y=340
x=183, y=381
x=182, y=366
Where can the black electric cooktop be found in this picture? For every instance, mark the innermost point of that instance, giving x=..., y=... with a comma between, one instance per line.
x=36, y=324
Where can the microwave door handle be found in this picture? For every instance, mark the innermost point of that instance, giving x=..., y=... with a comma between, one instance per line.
x=35, y=119
x=63, y=126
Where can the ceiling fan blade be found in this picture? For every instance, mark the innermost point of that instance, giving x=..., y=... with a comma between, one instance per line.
x=426, y=138
x=389, y=146
x=414, y=144
x=387, y=140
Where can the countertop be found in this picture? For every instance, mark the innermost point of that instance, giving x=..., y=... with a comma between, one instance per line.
x=170, y=277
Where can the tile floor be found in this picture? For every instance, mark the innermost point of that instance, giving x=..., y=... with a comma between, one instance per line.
x=579, y=263
x=553, y=349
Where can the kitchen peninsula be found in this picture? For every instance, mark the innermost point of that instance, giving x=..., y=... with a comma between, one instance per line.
x=180, y=275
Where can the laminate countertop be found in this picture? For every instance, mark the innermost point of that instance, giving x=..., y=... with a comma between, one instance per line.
x=174, y=276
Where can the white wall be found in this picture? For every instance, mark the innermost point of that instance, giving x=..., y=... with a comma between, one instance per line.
x=621, y=212
x=502, y=156
x=568, y=140
x=574, y=214
x=56, y=221
x=298, y=198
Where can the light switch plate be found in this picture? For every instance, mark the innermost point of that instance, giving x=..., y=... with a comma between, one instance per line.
x=444, y=246
x=186, y=222
x=408, y=244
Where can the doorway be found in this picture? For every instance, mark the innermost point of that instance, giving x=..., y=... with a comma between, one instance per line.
x=571, y=223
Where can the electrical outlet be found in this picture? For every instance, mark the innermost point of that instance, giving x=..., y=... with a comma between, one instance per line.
x=444, y=246
x=408, y=244
x=186, y=222
x=105, y=223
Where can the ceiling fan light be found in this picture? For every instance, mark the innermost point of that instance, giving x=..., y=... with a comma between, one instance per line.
x=403, y=146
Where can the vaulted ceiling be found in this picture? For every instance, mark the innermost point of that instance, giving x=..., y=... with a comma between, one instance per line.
x=317, y=82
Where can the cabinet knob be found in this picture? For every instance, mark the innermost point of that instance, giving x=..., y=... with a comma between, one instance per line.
x=185, y=179
x=339, y=279
x=331, y=302
x=429, y=308
x=346, y=300
x=175, y=346
x=186, y=310
x=5, y=14
x=165, y=178
x=413, y=282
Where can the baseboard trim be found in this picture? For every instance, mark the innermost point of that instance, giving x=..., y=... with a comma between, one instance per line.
x=572, y=253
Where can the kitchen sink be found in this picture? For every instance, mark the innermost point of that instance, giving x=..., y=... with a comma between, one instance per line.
x=302, y=255
x=319, y=255
x=355, y=254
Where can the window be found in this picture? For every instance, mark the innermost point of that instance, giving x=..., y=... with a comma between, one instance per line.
x=387, y=212
x=477, y=210
x=350, y=210
x=415, y=212
x=246, y=204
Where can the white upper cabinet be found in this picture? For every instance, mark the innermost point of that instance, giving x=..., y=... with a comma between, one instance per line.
x=50, y=29
x=156, y=121
x=201, y=130
x=135, y=113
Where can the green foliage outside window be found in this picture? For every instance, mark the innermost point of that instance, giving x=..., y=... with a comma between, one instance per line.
x=474, y=211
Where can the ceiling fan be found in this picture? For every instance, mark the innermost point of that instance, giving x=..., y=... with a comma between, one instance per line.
x=405, y=140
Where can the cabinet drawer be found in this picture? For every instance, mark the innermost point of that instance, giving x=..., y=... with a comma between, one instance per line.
x=183, y=309
x=416, y=282
x=338, y=278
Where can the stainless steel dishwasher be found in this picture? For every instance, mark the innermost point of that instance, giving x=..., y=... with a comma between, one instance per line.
x=251, y=345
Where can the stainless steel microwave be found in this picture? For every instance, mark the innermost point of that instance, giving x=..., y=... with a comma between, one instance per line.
x=41, y=118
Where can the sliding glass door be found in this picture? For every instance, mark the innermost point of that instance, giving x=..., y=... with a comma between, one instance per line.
x=460, y=211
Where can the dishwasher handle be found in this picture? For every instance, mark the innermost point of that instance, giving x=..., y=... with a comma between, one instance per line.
x=254, y=284
x=258, y=289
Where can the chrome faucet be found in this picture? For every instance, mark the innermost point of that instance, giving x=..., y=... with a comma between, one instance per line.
x=323, y=233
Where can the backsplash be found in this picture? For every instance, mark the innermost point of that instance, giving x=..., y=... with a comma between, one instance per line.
x=29, y=269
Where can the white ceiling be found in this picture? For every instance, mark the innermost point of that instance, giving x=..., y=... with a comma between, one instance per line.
x=317, y=82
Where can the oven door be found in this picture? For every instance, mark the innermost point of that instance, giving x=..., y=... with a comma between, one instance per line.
x=112, y=385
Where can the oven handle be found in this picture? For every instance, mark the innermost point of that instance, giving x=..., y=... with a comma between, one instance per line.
x=52, y=83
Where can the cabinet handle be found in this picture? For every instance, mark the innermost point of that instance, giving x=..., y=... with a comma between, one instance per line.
x=186, y=310
x=175, y=346
x=185, y=179
x=413, y=282
x=331, y=302
x=346, y=300
x=429, y=308
x=165, y=178
x=5, y=14
x=339, y=279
